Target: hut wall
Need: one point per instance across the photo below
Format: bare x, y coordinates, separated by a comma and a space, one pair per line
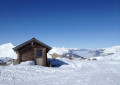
27, 56
27, 53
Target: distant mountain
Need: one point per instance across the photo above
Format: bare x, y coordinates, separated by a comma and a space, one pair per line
111, 53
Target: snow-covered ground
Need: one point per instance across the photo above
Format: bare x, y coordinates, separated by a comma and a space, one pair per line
104, 71
75, 72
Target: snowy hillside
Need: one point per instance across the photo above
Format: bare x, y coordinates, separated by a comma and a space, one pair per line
7, 51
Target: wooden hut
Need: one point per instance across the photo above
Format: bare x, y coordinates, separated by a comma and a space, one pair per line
32, 50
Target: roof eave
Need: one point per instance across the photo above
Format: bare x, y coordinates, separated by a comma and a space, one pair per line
21, 45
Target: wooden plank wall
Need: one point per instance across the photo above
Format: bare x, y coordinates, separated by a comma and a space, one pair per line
27, 53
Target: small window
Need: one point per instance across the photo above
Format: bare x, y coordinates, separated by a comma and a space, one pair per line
39, 53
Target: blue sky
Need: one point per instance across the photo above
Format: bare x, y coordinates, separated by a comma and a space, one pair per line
61, 23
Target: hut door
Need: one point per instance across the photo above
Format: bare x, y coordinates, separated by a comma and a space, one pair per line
39, 56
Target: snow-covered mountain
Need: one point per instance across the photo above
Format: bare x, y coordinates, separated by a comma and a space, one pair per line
111, 53
103, 53
7, 51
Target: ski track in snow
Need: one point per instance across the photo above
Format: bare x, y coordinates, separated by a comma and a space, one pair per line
75, 73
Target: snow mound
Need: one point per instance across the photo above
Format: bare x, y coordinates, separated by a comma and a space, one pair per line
27, 63
6, 50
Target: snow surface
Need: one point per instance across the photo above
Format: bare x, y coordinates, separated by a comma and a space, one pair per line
27, 63
74, 73
105, 71
6, 50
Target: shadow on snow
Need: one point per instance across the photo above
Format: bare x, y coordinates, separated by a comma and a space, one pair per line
56, 62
